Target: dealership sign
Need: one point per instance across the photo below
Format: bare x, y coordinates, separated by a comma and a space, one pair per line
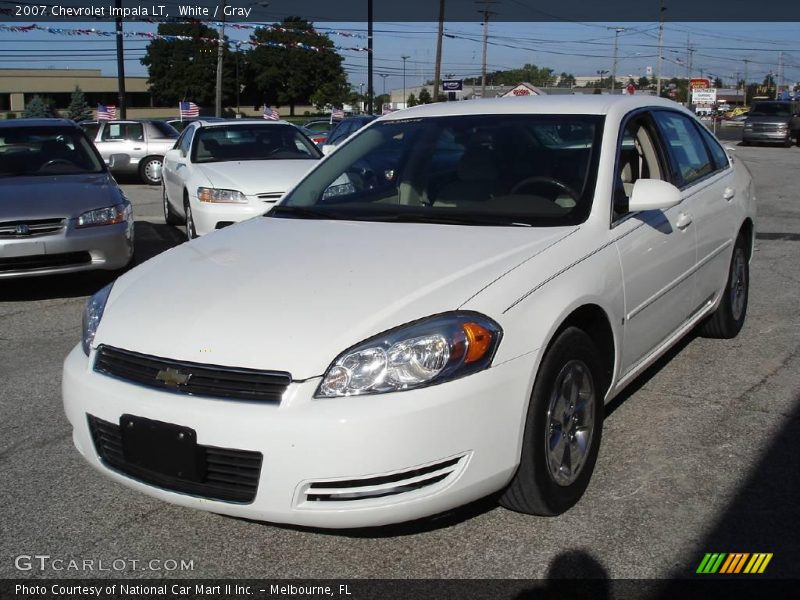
452, 85
522, 90
699, 84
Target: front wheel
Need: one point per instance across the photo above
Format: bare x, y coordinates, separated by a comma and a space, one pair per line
563, 429
150, 170
728, 319
191, 232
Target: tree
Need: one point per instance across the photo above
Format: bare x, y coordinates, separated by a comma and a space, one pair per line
281, 72
717, 82
412, 100
566, 80
425, 96
540, 76
78, 110
185, 69
37, 108
643, 83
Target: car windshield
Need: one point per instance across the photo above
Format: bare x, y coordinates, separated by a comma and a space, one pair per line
259, 141
771, 109
520, 170
46, 151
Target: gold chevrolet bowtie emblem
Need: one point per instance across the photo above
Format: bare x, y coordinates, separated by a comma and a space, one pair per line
173, 377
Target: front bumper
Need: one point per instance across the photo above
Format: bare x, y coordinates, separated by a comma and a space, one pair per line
776, 136
211, 216
340, 462
105, 247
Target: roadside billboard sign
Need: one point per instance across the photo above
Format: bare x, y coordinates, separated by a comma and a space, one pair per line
700, 83
704, 97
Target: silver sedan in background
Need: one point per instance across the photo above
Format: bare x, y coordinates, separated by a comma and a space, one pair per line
60, 209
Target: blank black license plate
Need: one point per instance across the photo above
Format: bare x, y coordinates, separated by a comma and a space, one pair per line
164, 448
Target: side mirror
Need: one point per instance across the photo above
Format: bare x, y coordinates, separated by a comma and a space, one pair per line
118, 161
653, 194
174, 154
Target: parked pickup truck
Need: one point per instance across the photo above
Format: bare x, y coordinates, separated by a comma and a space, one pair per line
145, 142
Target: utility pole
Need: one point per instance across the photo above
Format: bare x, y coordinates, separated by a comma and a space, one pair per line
123, 108
437, 73
745, 82
780, 72
370, 88
405, 57
617, 31
486, 12
220, 42
689, 56
660, 46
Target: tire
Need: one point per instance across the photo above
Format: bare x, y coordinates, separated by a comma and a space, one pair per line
150, 170
191, 232
170, 216
788, 142
727, 320
544, 484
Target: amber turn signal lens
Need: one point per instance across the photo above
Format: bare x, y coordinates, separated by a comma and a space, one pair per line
479, 340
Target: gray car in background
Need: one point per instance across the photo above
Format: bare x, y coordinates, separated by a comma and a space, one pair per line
774, 121
60, 209
144, 142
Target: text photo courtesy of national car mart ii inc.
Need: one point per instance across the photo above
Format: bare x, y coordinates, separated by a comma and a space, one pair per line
180, 590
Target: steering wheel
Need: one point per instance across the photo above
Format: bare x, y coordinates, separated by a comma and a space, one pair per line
538, 179
57, 161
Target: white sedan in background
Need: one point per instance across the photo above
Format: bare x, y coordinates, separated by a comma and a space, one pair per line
446, 324
223, 172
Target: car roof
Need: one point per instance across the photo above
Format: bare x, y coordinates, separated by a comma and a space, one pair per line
592, 104
14, 123
238, 122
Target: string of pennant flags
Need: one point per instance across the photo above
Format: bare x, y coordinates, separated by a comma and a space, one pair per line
158, 36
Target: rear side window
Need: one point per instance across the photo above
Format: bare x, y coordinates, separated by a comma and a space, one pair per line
123, 131
717, 152
685, 147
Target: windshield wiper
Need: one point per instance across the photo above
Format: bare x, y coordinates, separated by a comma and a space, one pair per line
302, 212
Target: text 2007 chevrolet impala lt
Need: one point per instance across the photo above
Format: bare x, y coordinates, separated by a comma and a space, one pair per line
436, 312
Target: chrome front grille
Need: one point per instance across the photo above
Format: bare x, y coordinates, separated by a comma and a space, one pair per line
195, 379
31, 228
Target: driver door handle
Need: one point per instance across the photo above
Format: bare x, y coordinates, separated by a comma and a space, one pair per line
684, 220
729, 193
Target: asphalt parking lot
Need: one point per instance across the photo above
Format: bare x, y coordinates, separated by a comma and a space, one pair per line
700, 455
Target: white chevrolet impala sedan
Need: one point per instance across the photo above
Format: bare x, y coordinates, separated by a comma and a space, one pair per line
438, 311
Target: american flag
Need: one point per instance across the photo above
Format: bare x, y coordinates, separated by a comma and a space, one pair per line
270, 113
188, 110
106, 112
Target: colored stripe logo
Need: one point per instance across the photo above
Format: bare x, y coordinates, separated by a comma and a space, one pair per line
734, 563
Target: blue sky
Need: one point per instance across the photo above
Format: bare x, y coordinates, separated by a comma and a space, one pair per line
578, 48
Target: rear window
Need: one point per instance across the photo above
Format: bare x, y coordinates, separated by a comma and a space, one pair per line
165, 130
771, 109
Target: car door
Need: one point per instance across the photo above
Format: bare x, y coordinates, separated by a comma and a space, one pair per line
657, 248
703, 174
122, 137
176, 165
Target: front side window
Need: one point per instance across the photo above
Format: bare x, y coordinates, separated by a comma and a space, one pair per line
637, 158
685, 146
257, 141
480, 169
46, 151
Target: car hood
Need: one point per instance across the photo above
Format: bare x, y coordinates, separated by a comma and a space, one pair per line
252, 177
55, 196
290, 294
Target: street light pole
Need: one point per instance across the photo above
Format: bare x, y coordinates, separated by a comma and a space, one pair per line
121, 100
405, 99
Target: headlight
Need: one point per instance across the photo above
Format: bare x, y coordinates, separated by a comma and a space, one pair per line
112, 215
92, 313
214, 195
783, 126
422, 353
